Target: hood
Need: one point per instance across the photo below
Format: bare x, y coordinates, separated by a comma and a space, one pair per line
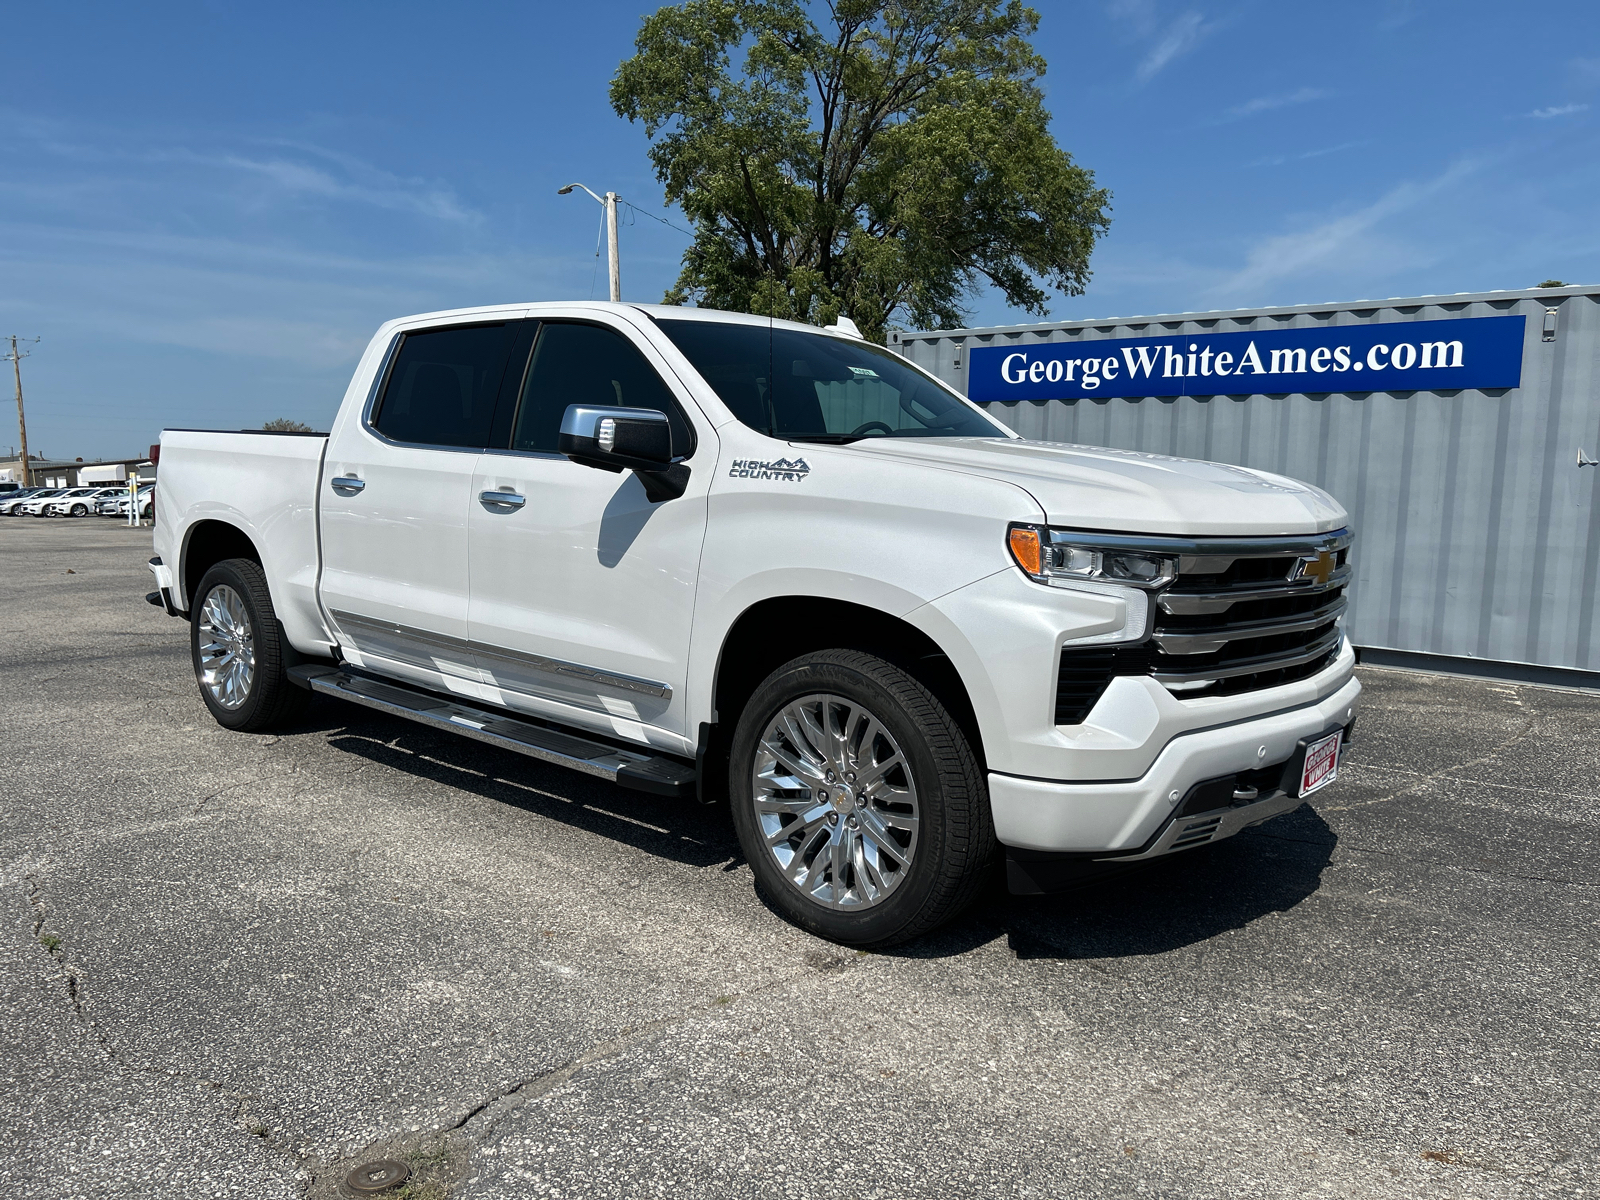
1127, 491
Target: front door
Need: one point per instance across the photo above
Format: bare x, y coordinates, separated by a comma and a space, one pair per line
395, 492
582, 590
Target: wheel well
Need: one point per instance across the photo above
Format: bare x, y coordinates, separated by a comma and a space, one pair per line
209, 543
770, 633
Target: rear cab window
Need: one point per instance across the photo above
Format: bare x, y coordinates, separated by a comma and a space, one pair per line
443, 385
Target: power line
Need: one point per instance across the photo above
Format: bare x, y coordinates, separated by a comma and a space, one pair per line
599, 233
653, 217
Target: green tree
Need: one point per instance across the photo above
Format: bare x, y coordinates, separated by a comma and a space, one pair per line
881, 167
286, 425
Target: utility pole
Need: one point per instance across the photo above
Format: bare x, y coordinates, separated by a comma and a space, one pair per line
611, 247
609, 203
16, 356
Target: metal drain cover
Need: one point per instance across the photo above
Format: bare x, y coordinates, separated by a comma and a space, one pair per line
377, 1176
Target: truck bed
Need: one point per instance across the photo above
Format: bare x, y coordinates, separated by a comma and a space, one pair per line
264, 483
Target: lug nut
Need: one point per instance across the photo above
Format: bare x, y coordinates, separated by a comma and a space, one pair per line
852, 822
831, 777
851, 777
833, 818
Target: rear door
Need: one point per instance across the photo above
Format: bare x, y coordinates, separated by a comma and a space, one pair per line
395, 494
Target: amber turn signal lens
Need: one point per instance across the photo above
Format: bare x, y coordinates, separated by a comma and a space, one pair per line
1025, 549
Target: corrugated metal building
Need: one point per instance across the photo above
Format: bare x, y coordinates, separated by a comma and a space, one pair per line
1476, 537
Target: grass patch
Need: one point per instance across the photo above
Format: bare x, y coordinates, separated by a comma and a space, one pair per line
50, 942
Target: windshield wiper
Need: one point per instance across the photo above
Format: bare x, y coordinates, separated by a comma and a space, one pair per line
830, 439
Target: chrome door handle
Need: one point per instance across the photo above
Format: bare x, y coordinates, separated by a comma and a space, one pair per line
494, 500
347, 485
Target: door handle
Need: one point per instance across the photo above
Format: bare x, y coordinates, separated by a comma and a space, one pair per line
347, 485
503, 499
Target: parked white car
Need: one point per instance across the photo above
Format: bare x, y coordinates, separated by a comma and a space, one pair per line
11, 503
116, 504
41, 506
701, 553
79, 502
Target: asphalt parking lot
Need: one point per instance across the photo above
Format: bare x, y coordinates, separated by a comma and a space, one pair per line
240, 965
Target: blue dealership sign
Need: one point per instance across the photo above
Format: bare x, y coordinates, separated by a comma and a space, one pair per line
1466, 352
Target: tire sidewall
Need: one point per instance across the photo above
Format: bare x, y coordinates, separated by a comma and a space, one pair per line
226, 573
882, 922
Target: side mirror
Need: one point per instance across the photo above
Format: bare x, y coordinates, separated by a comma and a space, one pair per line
625, 439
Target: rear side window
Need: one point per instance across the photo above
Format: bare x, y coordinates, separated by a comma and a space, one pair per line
589, 364
443, 385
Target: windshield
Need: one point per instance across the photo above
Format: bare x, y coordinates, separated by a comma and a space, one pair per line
812, 387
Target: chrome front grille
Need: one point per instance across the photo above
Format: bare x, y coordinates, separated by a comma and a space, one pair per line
1241, 615
1245, 615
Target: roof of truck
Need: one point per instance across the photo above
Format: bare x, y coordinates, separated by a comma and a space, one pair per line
663, 312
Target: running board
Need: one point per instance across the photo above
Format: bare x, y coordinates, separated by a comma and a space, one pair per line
631, 769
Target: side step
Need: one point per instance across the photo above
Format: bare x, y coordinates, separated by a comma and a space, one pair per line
631, 769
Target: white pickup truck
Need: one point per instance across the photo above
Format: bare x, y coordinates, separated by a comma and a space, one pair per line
715, 555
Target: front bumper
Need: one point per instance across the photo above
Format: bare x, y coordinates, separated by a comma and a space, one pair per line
1135, 818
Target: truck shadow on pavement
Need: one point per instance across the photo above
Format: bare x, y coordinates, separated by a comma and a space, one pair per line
1180, 901
680, 830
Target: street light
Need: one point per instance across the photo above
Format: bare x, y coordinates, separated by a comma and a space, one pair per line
609, 203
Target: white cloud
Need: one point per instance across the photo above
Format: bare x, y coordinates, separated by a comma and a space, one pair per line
382, 189
1349, 243
1565, 110
344, 178
1182, 36
1277, 160
1139, 14
1263, 104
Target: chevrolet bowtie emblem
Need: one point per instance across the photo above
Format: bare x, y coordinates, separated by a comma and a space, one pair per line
1319, 568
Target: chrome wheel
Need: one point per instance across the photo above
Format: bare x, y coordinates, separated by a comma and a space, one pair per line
227, 647
835, 802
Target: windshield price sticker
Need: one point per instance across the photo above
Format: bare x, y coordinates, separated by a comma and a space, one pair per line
1453, 354
1322, 764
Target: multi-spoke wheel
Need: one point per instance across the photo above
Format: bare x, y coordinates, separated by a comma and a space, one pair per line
858, 800
227, 654
238, 649
836, 802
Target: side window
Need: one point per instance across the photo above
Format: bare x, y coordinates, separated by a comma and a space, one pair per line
589, 364
443, 385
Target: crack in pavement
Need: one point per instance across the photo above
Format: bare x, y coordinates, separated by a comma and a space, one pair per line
34, 895
480, 1121
1528, 728
70, 973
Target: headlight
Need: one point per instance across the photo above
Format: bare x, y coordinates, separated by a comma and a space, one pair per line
1051, 556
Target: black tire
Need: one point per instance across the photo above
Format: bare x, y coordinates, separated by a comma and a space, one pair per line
270, 700
954, 843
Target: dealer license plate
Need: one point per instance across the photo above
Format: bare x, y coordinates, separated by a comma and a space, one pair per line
1322, 764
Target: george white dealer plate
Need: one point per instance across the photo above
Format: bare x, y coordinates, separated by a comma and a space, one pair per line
1322, 763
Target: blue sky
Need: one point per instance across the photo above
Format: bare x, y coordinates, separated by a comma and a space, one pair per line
206, 209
